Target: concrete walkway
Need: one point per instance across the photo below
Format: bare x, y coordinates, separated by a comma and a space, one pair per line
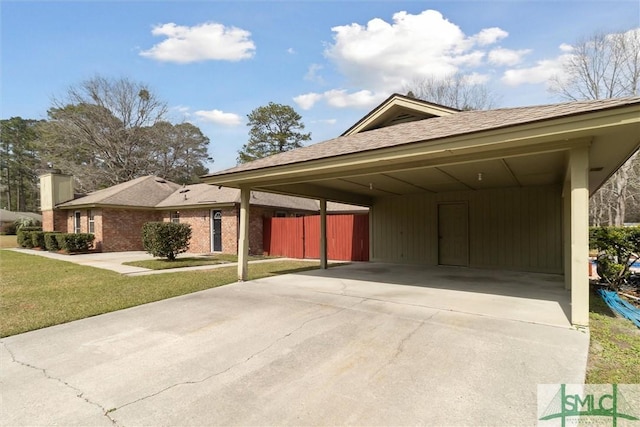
361, 344
114, 261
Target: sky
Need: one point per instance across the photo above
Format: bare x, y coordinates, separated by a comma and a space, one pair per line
213, 62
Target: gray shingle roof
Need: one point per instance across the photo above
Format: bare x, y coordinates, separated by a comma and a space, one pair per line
146, 191
465, 122
154, 192
10, 216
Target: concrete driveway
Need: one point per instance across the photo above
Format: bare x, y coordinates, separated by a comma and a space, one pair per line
364, 344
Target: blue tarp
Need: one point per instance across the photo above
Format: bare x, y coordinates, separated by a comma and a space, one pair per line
621, 306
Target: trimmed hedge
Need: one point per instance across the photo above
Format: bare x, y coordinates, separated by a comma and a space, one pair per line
24, 236
50, 241
37, 239
166, 239
72, 242
34, 237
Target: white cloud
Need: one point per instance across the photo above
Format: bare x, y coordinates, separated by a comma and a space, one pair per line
509, 57
361, 99
490, 36
307, 100
208, 41
340, 98
385, 56
291, 51
542, 71
219, 117
539, 73
312, 73
326, 121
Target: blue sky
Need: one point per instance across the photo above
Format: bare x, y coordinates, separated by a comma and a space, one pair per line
213, 62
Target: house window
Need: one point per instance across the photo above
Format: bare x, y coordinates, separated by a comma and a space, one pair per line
280, 214
175, 217
91, 224
77, 216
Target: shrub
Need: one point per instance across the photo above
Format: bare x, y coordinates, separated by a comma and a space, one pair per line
618, 248
50, 241
37, 239
24, 236
166, 239
74, 242
26, 221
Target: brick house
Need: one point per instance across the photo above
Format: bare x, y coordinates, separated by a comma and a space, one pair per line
115, 215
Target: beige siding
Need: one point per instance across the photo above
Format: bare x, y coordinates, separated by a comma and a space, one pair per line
514, 228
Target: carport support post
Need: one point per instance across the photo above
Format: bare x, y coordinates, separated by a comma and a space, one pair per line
579, 173
243, 235
323, 233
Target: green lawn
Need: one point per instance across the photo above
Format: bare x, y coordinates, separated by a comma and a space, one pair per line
614, 352
36, 292
162, 264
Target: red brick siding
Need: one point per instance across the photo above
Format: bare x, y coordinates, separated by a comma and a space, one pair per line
122, 229
230, 230
55, 220
200, 222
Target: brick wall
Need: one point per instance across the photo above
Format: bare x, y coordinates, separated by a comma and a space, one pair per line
200, 222
122, 229
230, 230
54, 220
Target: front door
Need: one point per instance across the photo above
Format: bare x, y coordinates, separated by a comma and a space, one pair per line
216, 231
453, 234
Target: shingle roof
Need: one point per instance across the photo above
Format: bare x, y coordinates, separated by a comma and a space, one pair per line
154, 192
146, 191
200, 194
10, 216
461, 123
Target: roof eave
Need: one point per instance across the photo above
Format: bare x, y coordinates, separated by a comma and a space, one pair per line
550, 129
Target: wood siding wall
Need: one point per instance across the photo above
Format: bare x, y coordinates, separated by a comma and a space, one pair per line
347, 237
514, 228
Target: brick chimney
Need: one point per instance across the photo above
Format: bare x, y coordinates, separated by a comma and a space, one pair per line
55, 188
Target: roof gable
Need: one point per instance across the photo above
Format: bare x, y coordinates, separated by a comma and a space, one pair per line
398, 109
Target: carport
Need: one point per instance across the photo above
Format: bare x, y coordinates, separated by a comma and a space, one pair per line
505, 189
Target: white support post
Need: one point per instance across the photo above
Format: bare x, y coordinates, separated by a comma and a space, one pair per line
579, 172
323, 233
243, 236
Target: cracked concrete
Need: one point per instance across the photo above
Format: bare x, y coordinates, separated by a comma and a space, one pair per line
344, 346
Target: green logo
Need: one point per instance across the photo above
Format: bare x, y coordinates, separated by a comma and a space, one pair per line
600, 401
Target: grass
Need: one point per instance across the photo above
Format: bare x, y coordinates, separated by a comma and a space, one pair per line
614, 351
36, 292
8, 242
162, 264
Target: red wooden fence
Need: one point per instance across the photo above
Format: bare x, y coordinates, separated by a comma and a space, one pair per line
347, 237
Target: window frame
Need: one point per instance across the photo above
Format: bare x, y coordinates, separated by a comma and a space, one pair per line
77, 222
91, 221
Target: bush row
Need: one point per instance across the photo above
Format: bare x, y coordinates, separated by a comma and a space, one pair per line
34, 237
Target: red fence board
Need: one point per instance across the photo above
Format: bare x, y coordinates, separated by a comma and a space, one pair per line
347, 237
